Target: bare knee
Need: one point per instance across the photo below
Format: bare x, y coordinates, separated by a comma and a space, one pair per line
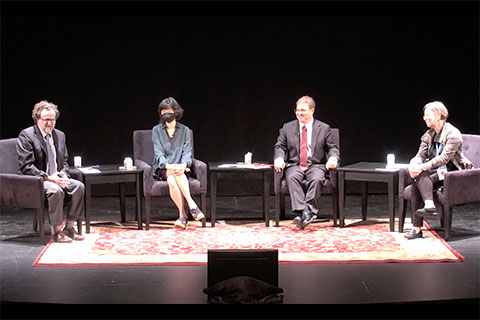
172, 182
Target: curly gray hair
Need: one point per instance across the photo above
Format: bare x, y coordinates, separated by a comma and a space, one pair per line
42, 105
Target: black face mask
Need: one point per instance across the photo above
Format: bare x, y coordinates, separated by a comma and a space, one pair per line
168, 117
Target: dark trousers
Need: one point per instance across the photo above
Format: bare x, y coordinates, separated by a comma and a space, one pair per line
422, 189
304, 187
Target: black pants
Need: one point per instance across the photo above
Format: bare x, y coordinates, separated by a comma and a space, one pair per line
422, 189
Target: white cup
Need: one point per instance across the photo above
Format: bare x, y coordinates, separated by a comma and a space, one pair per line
390, 159
77, 161
248, 158
128, 163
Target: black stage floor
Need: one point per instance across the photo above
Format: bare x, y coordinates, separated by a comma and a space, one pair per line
355, 290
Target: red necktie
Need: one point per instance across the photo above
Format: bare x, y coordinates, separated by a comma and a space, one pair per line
303, 149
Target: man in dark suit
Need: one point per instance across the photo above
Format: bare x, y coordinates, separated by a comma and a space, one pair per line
306, 150
42, 151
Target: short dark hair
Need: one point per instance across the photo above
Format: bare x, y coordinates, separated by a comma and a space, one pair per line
43, 105
171, 103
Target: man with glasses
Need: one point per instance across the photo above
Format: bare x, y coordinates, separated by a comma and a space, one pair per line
305, 149
42, 152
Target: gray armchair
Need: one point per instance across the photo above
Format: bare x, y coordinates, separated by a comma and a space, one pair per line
281, 189
22, 191
143, 158
459, 187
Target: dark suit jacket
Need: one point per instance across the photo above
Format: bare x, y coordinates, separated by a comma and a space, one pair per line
323, 146
32, 151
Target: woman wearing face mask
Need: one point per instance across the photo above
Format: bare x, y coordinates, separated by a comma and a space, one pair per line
173, 158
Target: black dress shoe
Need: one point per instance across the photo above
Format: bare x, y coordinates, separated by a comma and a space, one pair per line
74, 235
307, 218
298, 222
426, 212
413, 234
60, 237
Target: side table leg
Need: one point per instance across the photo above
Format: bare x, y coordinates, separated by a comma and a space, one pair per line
138, 199
203, 204
88, 198
391, 203
266, 198
123, 214
213, 198
364, 187
341, 200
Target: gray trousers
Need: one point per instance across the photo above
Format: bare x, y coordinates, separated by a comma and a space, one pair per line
58, 197
422, 189
312, 179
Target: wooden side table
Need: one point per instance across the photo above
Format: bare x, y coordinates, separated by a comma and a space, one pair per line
367, 172
110, 173
216, 170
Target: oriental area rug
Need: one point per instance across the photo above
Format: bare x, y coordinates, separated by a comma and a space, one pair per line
370, 241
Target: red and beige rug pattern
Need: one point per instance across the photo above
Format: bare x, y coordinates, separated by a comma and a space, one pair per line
360, 241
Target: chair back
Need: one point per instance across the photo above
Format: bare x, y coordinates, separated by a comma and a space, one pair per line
471, 148
143, 145
336, 136
8, 150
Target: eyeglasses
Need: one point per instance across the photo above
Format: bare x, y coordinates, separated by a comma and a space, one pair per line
300, 111
48, 120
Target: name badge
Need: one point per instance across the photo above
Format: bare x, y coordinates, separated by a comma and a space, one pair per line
441, 172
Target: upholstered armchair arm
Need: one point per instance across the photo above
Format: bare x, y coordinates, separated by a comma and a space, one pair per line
334, 179
404, 180
22, 191
147, 175
74, 173
199, 169
461, 186
277, 180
